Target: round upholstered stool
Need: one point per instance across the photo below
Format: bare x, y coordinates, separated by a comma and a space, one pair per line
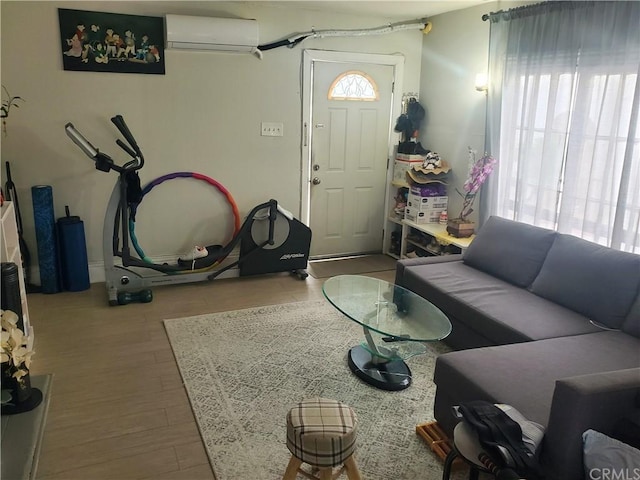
467, 447
322, 433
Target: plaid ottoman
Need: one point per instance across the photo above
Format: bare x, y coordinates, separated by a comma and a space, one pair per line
321, 432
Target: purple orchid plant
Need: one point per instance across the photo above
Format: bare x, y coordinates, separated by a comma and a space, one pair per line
478, 174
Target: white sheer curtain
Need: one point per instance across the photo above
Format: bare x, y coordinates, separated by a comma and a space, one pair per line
562, 119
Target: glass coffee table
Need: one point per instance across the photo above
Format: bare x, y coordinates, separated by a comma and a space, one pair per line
396, 324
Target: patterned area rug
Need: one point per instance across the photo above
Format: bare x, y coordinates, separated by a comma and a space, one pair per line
243, 370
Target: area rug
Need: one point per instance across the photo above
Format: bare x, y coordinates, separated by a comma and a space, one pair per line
351, 265
243, 370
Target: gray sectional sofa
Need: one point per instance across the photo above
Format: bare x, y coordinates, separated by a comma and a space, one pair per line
546, 322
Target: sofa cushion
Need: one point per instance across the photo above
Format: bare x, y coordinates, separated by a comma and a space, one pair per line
509, 250
599, 282
499, 311
524, 375
632, 324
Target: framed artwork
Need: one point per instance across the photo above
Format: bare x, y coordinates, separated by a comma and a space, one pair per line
111, 42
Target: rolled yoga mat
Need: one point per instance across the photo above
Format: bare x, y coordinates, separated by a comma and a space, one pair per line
45, 223
74, 266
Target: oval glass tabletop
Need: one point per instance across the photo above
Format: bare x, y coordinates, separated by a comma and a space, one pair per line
394, 312
396, 322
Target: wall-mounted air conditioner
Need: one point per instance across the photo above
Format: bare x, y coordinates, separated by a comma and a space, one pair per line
208, 33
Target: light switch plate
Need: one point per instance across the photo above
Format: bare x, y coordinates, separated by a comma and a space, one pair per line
272, 129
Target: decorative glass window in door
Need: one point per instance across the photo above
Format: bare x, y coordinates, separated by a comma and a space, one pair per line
354, 85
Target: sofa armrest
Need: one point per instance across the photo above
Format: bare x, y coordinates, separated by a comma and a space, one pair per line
409, 262
579, 403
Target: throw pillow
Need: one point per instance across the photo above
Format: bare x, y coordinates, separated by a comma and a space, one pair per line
511, 251
599, 282
605, 454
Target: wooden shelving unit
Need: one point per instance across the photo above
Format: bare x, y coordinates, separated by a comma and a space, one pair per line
10, 252
438, 234
393, 224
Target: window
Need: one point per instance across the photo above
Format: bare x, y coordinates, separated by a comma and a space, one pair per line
568, 134
353, 85
564, 119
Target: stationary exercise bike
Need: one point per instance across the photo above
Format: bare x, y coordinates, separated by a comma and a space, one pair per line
271, 240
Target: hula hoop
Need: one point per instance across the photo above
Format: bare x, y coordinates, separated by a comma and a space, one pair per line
198, 176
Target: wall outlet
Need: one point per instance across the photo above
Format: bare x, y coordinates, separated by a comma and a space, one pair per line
271, 129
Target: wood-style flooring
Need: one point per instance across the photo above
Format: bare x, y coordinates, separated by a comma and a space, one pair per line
118, 407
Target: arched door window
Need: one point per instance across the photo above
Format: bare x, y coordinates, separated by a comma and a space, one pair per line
353, 85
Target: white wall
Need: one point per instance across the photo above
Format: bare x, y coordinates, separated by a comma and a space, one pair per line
453, 53
204, 115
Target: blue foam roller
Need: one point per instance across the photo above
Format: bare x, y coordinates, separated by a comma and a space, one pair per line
74, 266
45, 223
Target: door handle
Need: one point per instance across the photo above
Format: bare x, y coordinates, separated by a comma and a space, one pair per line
316, 181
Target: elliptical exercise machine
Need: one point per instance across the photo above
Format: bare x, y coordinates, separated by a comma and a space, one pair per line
271, 239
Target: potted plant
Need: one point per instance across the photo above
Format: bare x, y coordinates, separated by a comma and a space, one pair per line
461, 226
6, 107
15, 354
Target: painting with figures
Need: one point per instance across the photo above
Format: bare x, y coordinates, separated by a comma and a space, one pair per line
111, 42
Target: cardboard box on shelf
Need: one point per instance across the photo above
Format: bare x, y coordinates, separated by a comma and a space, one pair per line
424, 204
429, 190
410, 157
401, 167
422, 216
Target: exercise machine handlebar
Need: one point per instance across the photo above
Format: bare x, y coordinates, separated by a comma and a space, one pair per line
119, 122
84, 144
103, 161
125, 147
138, 159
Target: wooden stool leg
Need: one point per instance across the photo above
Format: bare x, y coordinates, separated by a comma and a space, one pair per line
292, 468
326, 473
352, 469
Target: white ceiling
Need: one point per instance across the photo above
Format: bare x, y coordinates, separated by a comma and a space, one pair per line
392, 10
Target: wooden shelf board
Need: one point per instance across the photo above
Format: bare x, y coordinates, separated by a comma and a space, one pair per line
440, 233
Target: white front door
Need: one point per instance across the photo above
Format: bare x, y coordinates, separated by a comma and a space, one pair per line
349, 150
